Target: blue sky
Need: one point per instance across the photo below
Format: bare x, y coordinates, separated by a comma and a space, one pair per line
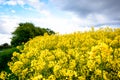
63, 16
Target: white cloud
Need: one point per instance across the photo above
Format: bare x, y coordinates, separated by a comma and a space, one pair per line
13, 11
13, 2
8, 24
45, 13
97, 18
2, 1
62, 24
21, 2
28, 8
5, 38
10, 2
37, 4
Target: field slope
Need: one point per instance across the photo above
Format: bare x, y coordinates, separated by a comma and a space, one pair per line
90, 55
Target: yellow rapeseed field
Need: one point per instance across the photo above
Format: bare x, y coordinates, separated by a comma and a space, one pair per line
90, 55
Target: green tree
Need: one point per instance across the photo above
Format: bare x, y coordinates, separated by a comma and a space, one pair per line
25, 31
4, 46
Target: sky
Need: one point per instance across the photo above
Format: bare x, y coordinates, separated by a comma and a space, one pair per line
63, 16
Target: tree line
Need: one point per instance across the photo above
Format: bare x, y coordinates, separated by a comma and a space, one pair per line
5, 45
25, 31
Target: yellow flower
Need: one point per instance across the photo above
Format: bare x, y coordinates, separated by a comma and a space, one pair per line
72, 64
81, 78
15, 54
3, 75
24, 72
51, 64
39, 77
119, 74
97, 72
51, 77
77, 55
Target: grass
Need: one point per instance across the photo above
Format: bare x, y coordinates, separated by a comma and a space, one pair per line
5, 57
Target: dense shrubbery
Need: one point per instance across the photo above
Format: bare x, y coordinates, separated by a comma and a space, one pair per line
4, 46
92, 55
5, 57
25, 31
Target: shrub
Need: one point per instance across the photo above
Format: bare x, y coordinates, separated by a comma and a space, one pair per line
5, 57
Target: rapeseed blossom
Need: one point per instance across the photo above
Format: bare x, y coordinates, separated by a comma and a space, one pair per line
90, 55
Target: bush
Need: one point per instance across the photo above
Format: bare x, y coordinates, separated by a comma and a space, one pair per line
25, 31
4, 46
5, 57
92, 55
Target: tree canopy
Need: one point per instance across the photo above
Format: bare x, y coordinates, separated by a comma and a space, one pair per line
25, 31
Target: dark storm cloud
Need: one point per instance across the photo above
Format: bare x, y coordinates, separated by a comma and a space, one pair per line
108, 8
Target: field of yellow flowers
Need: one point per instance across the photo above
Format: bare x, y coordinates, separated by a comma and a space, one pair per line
89, 55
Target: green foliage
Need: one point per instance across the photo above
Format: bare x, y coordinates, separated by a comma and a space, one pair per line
4, 46
25, 31
5, 57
